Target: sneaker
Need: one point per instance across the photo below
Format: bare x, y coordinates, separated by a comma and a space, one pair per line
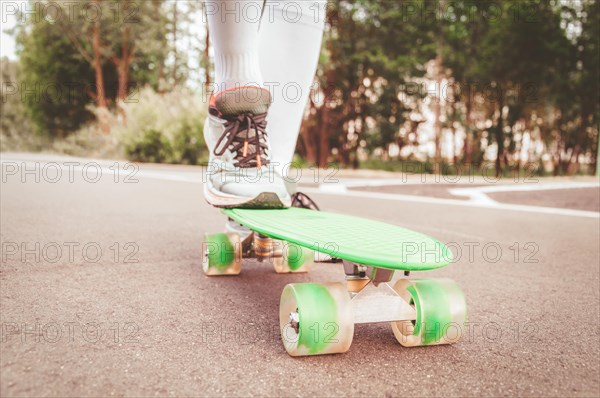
239, 172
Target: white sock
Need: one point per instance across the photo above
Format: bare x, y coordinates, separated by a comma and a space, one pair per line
290, 41
233, 26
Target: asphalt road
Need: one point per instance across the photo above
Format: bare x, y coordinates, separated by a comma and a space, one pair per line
102, 294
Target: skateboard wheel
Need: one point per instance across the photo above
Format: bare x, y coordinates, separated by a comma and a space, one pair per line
315, 319
222, 254
441, 312
294, 258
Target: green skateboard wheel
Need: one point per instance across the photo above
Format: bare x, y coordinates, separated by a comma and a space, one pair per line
315, 319
441, 312
294, 258
222, 254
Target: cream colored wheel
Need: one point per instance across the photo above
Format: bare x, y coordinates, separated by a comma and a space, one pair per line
222, 254
316, 319
293, 259
441, 312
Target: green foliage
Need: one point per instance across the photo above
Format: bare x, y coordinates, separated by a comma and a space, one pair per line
150, 146
588, 77
57, 59
164, 128
54, 80
370, 60
16, 130
506, 54
188, 143
154, 146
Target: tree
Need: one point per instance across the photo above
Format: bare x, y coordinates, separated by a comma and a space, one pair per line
103, 52
14, 123
518, 87
469, 24
368, 62
588, 66
56, 81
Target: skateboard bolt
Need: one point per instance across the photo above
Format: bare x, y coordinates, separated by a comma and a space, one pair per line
295, 321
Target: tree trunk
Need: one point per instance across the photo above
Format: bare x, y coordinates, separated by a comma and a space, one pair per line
596, 155
324, 137
207, 58
308, 142
468, 155
123, 65
454, 112
160, 61
454, 157
308, 133
573, 164
438, 114
439, 62
101, 102
595, 147
100, 93
559, 143
500, 137
556, 156
324, 128
175, 55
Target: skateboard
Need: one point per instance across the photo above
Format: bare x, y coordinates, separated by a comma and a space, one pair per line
319, 318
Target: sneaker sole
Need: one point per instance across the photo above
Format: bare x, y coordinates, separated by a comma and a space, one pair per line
265, 200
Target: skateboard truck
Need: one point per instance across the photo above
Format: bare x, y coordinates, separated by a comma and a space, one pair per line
356, 276
372, 304
373, 299
381, 303
319, 318
263, 247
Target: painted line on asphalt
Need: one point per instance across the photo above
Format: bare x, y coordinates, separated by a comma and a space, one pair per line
454, 202
479, 194
523, 188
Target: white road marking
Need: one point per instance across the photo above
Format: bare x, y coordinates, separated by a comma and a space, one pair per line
475, 196
527, 187
454, 202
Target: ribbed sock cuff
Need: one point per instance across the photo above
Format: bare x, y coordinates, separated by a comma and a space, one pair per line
237, 70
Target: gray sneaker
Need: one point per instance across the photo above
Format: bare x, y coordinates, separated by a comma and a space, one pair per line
239, 172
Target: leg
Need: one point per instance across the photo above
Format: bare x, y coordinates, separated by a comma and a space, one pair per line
239, 173
234, 28
289, 46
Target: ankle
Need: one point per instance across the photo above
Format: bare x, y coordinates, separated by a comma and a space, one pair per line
237, 70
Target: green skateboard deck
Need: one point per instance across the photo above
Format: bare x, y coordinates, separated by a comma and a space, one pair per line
355, 239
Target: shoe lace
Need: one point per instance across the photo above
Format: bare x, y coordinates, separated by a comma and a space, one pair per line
249, 151
302, 200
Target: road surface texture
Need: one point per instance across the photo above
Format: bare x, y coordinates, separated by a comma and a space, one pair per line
102, 292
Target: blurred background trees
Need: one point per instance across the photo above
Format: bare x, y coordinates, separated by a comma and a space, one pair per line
461, 83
